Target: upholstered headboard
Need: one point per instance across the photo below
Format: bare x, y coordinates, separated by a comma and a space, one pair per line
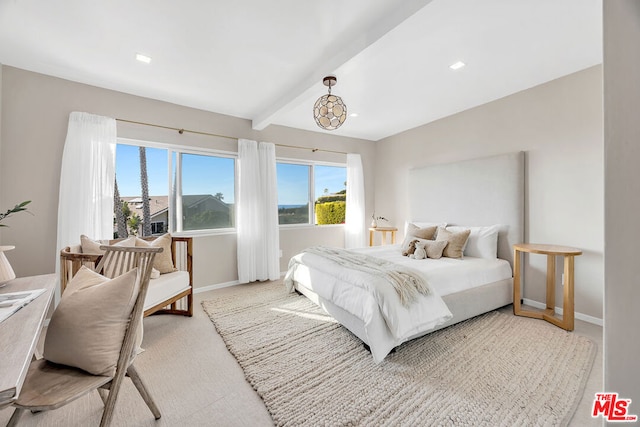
476, 192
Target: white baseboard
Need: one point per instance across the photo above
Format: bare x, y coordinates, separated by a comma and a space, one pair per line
222, 285
532, 303
212, 287
559, 311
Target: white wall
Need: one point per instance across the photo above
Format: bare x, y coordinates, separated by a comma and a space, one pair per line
622, 199
35, 113
559, 126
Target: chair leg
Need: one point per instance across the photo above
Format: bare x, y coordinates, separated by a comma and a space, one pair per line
110, 404
137, 381
103, 395
13, 421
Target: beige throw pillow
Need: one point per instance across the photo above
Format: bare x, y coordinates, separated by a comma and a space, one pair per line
112, 269
162, 262
434, 248
90, 246
414, 232
129, 242
427, 233
456, 242
88, 326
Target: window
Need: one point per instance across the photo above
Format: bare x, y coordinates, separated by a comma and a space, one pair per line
158, 228
331, 194
202, 188
293, 193
206, 196
299, 184
194, 189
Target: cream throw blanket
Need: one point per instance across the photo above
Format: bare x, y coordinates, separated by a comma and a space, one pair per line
406, 282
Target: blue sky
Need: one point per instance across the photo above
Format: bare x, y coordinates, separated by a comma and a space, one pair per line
211, 175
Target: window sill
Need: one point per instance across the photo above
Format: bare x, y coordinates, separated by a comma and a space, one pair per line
315, 226
204, 233
229, 231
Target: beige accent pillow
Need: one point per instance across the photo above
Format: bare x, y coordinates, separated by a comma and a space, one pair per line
88, 326
414, 232
434, 248
132, 242
90, 246
129, 242
162, 262
456, 242
111, 270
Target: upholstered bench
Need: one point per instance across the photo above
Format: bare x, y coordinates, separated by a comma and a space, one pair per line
170, 293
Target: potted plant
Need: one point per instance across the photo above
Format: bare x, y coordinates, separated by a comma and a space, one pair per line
6, 272
375, 219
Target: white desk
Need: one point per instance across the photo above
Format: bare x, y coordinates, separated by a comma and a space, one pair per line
19, 334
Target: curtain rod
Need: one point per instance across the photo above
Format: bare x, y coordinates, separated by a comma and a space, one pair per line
182, 131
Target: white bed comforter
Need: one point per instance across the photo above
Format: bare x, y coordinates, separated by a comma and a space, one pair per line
367, 296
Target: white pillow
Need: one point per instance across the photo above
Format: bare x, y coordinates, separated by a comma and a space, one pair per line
482, 242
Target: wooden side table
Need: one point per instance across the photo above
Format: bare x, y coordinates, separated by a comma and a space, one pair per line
551, 251
384, 231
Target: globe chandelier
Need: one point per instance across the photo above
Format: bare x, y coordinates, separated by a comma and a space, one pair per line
329, 111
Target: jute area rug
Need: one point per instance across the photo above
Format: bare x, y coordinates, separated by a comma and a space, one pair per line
493, 370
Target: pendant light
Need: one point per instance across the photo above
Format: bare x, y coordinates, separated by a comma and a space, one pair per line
329, 110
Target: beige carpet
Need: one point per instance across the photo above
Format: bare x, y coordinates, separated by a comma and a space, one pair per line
496, 369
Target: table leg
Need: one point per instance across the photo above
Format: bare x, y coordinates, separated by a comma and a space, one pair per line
567, 308
370, 237
551, 284
393, 237
516, 282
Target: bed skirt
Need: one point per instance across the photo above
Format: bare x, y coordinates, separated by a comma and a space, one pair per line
463, 305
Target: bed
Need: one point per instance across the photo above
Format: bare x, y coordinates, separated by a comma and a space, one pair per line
478, 194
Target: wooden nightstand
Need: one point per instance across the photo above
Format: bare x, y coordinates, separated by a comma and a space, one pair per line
551, 251
384, 231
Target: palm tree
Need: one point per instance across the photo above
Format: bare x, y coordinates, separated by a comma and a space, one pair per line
219, 196
144, 183
118, 206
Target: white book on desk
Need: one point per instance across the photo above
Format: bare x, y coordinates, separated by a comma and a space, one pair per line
13, 301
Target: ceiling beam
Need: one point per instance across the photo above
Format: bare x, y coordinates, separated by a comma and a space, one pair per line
334, 60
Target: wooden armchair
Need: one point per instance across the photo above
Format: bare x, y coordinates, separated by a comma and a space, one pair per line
162, 300
49, 385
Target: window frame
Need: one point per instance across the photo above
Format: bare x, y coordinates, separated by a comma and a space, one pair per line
183, 149
180, 149
311, 190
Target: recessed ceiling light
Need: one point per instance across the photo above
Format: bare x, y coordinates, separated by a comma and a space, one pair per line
353, 115
457, 65
143, 58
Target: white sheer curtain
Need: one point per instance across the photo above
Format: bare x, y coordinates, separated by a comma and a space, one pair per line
257, 212
355, 216
87, 176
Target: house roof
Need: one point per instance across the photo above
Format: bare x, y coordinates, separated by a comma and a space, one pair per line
157, 204
160, 204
